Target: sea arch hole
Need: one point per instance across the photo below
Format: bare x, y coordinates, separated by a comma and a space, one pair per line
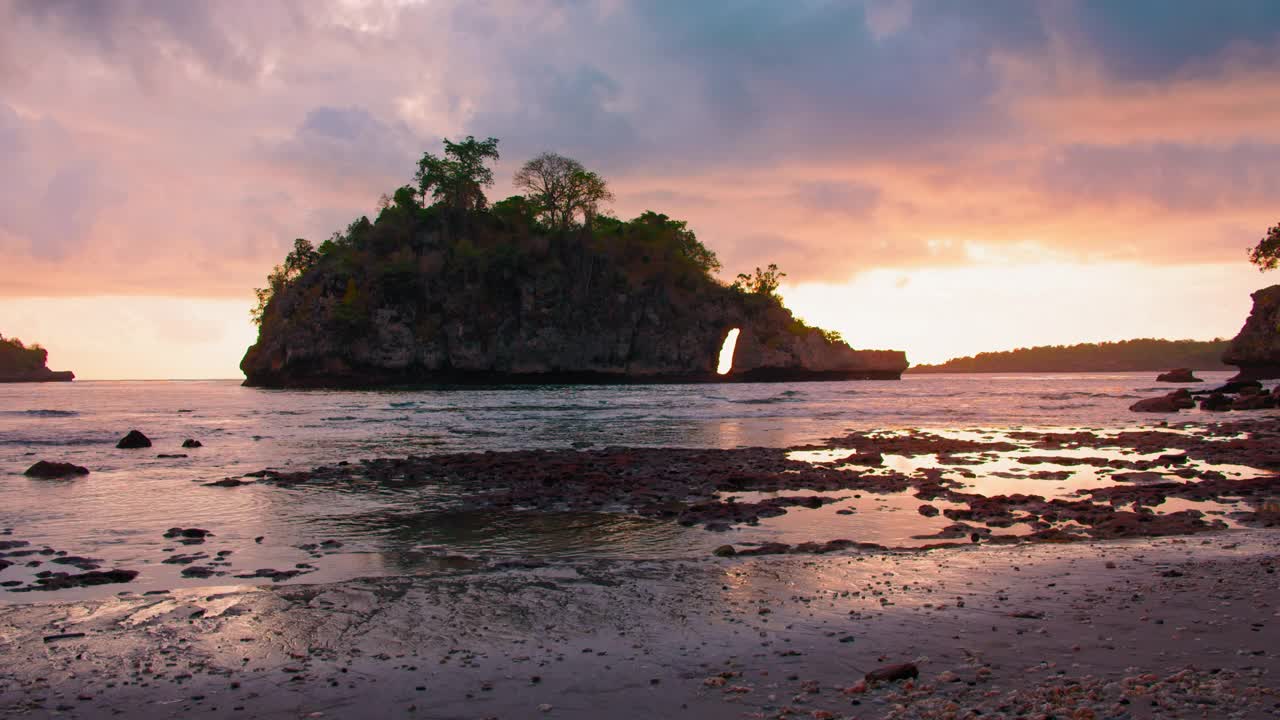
726, 352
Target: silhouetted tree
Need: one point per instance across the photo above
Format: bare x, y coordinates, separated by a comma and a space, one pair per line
561, 188
764, 282
458, 179
299, 260
1266, 254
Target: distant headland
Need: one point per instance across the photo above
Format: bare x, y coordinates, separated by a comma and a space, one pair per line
19, 363
544, 287
1144, 354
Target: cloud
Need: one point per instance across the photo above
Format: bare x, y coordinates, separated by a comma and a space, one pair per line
348, 146
1146, 40
48, 210
156, 147
151, 38
1177, 178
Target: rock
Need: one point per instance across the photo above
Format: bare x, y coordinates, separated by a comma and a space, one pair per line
1178, 375
133, 441
188, 536
80, 563
1173, 402
22, 364
227, 482
171, 456
928, 510
63, 581
1238, 386
601, 317
46, 469
724, 551
1253, 401
192, 443
893, 673
1216, 402
1256, 349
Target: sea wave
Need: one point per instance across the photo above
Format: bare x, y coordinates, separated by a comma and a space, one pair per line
41, 413
785, 397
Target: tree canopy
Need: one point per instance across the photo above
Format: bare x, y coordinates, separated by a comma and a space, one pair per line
561, 189
763, 282
458, 179
1266, 255
447, 200
298, 261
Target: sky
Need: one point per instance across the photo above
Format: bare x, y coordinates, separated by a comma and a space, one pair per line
939, 177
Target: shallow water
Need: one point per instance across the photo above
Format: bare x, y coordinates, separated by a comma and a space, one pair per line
120, 512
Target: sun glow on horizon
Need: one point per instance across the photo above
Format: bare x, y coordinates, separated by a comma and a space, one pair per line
936, 314
726, 352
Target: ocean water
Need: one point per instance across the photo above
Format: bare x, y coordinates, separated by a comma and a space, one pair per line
120, 511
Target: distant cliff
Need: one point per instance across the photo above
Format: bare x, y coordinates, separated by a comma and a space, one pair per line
428, 295
19, 363
1124, 356
1256, 350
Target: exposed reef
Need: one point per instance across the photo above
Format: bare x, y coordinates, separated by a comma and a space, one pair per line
1256, 349
19, 363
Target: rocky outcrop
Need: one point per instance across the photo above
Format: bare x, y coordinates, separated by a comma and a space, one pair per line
1179, 399
564, 310
19, 363
1256, 349
1178, 375
134, 440
48, 470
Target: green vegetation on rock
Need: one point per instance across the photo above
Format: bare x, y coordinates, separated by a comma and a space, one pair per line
17, 358
1266, 254
1125, 356
384, 259
443, 286
26, 363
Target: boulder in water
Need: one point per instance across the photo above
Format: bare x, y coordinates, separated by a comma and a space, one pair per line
1173, 402
1217, 402
47, 470
133, 441
1178, 375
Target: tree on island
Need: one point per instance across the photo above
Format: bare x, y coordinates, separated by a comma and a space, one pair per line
1266, 255
560, 188
16, 357
299, 260
764, 282
383, 256
458, 179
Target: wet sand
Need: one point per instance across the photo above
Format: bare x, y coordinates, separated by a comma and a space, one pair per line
1071, 573
1149, 628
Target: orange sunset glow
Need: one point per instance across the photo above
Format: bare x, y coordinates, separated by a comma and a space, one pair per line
939, 178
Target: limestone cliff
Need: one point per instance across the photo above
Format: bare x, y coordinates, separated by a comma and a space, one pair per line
488, 301
1256, 349
19, 363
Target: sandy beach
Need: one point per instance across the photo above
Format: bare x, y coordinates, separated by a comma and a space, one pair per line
1161, 628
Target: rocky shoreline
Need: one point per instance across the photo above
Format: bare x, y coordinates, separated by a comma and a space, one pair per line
1135, 581
43, 376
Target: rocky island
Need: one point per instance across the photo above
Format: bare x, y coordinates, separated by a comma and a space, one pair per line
19, 363
537, 288
1256, 349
